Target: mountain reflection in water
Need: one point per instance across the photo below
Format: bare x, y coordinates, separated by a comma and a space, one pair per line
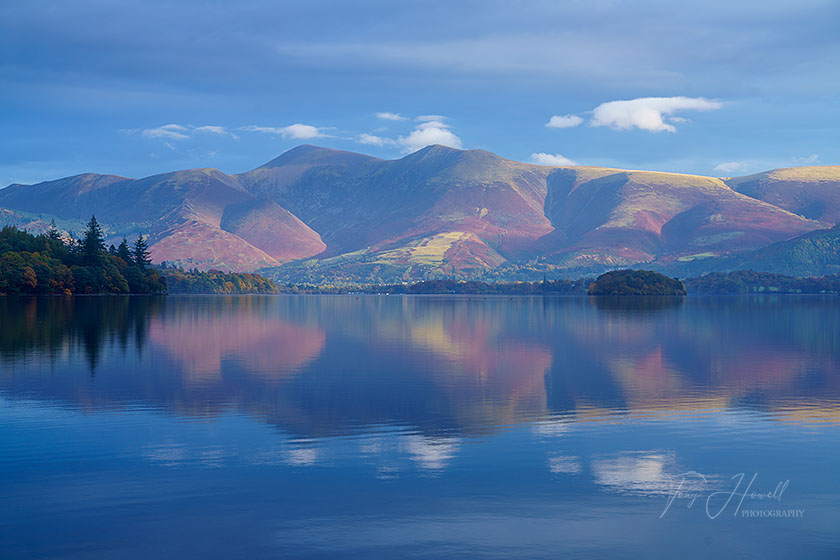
324, 365
424, 427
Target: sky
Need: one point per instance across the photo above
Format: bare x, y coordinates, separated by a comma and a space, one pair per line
136, 88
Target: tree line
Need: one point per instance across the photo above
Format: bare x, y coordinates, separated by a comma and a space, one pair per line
180, 281
750, 282
52, 263
56, 263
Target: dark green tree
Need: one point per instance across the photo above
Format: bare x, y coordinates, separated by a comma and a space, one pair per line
124, 252
141, 252
52, 232
93, 242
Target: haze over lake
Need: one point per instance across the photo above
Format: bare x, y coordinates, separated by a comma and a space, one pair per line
423, 427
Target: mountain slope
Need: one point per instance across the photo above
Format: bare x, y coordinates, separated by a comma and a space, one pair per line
614, 217
438, 212
267, 225
812, 192
816, 253
59, 197
182, 212
356, 202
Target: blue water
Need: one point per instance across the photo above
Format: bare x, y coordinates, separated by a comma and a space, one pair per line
419, 427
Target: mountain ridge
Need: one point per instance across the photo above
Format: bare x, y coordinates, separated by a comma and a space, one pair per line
437, 211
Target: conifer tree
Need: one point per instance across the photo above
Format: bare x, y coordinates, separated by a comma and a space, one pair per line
141, 252
52, 232
93, 242
124, 252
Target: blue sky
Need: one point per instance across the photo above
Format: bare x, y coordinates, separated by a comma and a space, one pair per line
137, 88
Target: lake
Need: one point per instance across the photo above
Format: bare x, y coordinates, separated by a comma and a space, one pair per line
419, 427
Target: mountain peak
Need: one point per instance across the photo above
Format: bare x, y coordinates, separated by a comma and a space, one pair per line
438, 148
316, 155
440, 157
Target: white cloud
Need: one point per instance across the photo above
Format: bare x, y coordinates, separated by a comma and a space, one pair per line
813, 158
293, 131
170, 131
566, 121
179, 132
428, 133
300, 131
729, 167
551, 159
265, 129
220, 130
648, 113
385, 115
427, 118
373, 140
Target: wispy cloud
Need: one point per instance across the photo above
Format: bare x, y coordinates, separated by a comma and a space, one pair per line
565, 121
654, 114
543, 158
813, 158
428, 118
385, 115
179, 132
729, 167
220, 130
747, 166
427, 133
373, 140
293, 131
169, 131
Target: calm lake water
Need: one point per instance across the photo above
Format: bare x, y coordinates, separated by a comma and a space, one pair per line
419, 427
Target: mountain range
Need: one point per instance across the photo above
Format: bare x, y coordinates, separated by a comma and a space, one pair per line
316, 214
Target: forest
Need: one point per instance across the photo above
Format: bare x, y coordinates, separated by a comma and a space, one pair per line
180, 281
56, 263
60, 263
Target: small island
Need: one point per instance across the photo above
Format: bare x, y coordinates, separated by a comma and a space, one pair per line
636, 283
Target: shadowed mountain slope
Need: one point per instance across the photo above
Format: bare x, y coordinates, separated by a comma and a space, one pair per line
816, 253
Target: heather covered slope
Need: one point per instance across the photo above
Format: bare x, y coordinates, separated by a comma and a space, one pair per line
182, 212
443, 211
361, 203
614, 217
316, 214
812, 192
